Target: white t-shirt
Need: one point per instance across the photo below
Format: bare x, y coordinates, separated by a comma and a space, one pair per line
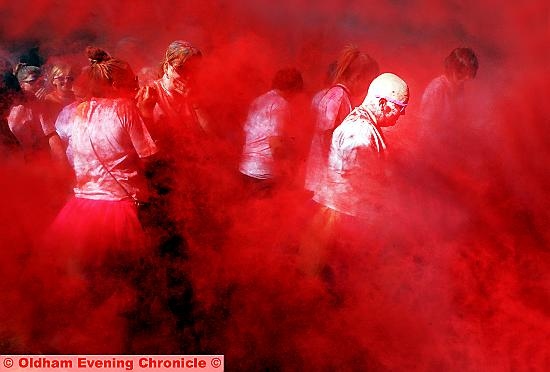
441, 100
119, 138
316, 100
354, 162
331, 110
266, 118
64, 126
29, 126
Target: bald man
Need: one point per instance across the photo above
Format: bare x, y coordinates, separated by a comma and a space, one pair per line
357, 146
348, 193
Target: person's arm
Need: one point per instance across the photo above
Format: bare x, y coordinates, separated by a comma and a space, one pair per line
335, 107
57, 148
138, 132
201, 117
146, 99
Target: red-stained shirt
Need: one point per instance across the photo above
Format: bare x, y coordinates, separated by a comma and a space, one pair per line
266, 118
30, 126
115, 130
331, 110
354, 166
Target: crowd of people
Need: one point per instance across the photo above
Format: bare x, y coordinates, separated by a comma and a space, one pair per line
137, 153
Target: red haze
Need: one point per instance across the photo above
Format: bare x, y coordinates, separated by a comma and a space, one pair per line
456, 274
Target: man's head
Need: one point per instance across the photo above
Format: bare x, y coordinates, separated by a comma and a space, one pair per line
387, 98
288, 81
461, 65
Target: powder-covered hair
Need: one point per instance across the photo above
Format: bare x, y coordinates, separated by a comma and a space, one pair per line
179, 52
105, 72
353, 62
288, 79
56, 66
462, 62
23, 72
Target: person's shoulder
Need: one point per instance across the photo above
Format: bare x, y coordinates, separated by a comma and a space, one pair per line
274, 96
120, 101
348, 128
17, 112
262, 98
17, 109
335, 92
71, 107
435, 90
68, 112
317, 97
359, 128
273, 100
438, 83
121, 104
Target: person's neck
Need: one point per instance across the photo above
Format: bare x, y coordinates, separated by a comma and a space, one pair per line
369, 111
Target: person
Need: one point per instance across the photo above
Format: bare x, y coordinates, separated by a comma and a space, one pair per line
179, 128
96, 240
348, 196
170, 102
265, 146
316, 100
181, 176
60, 75
448, 112
357, 144
25, 119
353, 73
55, 95
442, 100
9, 93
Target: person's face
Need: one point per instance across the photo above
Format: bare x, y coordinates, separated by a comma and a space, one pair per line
183, 76
391, 110
63, 83
173, 78
31, 84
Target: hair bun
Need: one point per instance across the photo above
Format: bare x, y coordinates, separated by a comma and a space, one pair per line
96, 55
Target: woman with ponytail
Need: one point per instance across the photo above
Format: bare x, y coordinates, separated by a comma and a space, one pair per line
352, 75
96, 240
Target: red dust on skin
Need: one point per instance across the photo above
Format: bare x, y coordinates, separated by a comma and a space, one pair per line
455, 276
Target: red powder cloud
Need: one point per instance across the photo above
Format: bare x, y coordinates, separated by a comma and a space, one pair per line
455, 274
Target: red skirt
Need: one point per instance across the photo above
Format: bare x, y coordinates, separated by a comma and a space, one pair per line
94, 232
87, 266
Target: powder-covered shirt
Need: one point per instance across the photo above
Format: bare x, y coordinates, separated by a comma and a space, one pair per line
64, 126
28, 124
330, 111
316, 100
107, 139
441, 101
266, 118
354, 163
